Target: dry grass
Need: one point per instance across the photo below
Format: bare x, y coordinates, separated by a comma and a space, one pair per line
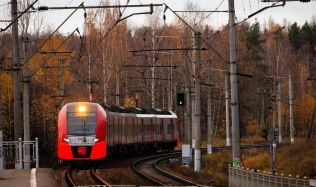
216, 167
298, 159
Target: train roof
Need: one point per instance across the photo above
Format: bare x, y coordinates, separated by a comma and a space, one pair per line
135, 110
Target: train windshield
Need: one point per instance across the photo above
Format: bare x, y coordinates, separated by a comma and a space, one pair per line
81, 124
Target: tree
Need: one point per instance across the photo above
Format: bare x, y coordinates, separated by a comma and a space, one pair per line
254, 42
295, 37
308, 36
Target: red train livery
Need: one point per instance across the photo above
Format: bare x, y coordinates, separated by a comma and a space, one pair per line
89, 131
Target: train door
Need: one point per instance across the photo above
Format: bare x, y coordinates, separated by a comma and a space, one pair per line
152, 129
117, 130
158, 129
109, 131
123, 129
120, 132
139, 129
129, 129
134, 138
167, 128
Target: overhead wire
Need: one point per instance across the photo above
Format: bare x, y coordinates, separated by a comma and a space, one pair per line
1, 5
51, 54
69, 3
210, 13
243, 6
245, 19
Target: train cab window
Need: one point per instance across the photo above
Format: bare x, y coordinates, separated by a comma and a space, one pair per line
81, 124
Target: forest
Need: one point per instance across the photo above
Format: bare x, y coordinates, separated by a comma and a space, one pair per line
100, 61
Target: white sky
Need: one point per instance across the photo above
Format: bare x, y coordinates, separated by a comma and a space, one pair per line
293, 12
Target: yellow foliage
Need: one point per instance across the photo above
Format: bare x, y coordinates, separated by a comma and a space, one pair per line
302, 111
259, 161
275, 28
129, 102
6, 87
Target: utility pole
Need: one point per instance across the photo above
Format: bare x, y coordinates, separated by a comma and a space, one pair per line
227, 109
1, 137
274, 110
89, 77
16, 79
153, 78
186, 147
62, 82
103, 76
197, 148
117, 82
169, 85
279, 112
209, 108
26, 105
291, 109
262, 111
234, 86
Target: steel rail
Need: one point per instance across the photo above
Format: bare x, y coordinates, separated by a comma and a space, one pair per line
68, 175
140, 174
170, 175
97, 178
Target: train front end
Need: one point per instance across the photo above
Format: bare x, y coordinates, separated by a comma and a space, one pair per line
81, 132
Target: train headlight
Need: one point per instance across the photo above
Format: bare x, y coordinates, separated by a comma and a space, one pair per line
96, 140
82, 109
66, 140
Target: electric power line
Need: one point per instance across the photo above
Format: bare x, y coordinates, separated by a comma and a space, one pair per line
210, 13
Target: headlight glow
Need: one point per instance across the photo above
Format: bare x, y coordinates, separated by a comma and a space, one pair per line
82, 109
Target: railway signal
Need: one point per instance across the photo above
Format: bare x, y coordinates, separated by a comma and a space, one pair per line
180, 99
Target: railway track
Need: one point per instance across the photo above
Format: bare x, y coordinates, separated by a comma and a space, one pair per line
83, 177
148, 169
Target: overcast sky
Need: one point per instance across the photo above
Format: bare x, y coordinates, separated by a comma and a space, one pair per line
292, 11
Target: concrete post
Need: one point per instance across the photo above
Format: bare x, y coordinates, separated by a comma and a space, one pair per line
197, 148
117, 82
104, 79
89, 77
209, 108
234, 86
273, 118
37, 152
26, 106
153, 79
20, 154
291, 109
16, 78
1, 152
62, 83
227, 109
279, 112
186, 147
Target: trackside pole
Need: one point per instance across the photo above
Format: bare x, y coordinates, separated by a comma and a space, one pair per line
186, 147
291, 109
36, 152
279, 112
234, 86
209, 109
20, 154
1, 153
197, 148
227, 109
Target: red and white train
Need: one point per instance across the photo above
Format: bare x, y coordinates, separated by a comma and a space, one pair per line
89, 131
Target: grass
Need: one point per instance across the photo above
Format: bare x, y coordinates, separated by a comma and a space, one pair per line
298, 159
